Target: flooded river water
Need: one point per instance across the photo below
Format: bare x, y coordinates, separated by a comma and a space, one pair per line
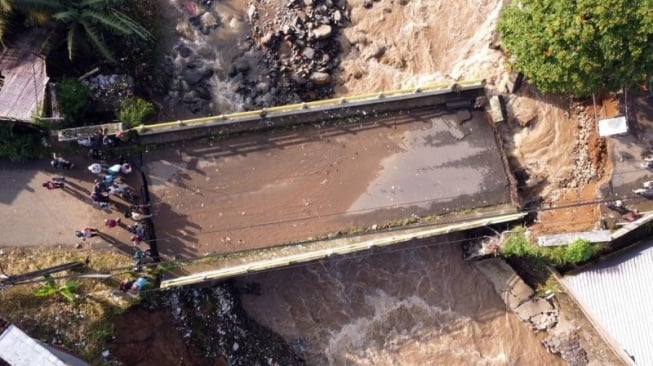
412, 304
417, 303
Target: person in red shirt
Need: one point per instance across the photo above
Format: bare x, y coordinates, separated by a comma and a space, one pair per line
110, 223
52, 185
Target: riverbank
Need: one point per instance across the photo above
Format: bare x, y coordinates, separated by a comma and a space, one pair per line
547, 309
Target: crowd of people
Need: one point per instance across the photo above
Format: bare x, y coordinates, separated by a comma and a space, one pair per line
110, 183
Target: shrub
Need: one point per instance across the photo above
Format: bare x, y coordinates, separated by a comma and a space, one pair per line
19, 146
516, 245
134, 110
74, 99
580, 251
50, 288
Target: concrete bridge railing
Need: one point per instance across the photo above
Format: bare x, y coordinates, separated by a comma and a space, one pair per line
457, 95
242, 263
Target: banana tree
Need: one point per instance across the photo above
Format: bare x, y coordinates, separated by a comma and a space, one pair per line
86, 22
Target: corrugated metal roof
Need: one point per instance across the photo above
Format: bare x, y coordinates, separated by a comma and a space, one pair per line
18, 349
24, 77
618, 295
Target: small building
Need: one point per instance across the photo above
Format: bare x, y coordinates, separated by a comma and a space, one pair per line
23, 77
19, 349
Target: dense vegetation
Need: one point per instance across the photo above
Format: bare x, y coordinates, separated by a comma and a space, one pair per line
577, 252
19, 145
86, 34
74, 98
86, 22
580, 46
133, 111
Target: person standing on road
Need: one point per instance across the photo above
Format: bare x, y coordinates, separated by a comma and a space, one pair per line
136, 229
52, 185
95, 168
86, 233
117, 188
58, 162
115, 169
111, 223
137, 216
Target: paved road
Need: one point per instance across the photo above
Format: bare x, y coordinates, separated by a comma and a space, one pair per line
34, 216
275, 187
627, 152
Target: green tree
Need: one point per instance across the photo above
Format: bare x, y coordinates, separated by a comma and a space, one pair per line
134, 110
74, 98
85, 20
579, 46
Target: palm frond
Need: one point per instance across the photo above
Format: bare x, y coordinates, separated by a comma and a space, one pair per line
70, 40
36, 4
5, 13
94, 37
5, 8
2, 32
107, 21
67, 16
140, 31
100, 4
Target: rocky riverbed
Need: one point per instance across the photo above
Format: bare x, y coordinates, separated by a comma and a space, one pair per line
278, 54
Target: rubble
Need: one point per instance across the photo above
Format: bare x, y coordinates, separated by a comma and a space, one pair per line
294, 51
587, 168
108, 91
238, 339
568, 346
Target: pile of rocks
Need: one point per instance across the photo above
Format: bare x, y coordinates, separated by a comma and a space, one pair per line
587, 167
300, 42
290, 55
537, 312
568, 346
211, 320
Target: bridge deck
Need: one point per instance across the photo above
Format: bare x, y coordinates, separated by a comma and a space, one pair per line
252, 192
241, 263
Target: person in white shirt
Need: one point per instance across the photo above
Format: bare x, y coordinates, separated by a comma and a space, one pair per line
118, 188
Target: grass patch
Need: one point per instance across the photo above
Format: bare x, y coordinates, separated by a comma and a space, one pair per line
577, 252
81, 321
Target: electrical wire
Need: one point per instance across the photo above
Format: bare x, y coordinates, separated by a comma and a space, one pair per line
542, 207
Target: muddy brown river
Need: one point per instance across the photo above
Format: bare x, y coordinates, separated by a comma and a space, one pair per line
413, 304
417, 303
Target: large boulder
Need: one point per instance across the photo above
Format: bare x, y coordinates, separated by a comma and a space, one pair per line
320, 78
322, 31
